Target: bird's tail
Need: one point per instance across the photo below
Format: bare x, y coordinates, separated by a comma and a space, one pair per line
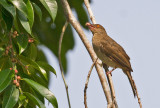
134, 88
133, 85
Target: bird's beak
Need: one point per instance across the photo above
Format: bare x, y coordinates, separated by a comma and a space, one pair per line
90, 26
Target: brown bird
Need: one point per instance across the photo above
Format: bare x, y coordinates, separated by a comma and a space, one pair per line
110, 52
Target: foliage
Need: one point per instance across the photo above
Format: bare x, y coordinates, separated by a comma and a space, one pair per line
24, 71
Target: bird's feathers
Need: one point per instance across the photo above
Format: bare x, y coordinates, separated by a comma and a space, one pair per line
134, 88
115, 52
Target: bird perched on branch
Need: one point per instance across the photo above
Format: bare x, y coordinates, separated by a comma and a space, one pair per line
110, 52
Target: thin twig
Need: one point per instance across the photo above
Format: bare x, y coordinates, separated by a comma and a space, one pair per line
109, 77
86, 2
10, 42
60, 64
86, 84
12, 52
114, 102
13, 57
70, 17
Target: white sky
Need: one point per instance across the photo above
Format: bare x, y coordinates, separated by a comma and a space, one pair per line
136, 26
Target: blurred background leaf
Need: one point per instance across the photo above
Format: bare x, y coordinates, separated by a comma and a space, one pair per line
49, 32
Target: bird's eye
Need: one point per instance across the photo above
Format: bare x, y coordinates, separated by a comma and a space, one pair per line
98, 26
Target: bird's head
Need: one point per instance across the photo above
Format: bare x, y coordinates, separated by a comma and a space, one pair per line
95, 28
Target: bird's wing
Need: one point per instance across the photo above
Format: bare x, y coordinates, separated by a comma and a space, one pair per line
116, 53
120, 48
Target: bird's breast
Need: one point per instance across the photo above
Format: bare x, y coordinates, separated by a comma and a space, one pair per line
108, 61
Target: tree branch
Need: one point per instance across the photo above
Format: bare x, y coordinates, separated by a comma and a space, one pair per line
86, 2
77, 27
109, 77
59, 58
86, 84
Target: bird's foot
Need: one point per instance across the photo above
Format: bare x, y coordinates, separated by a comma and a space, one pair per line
110, 72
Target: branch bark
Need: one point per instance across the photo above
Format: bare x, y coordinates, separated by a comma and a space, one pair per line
72, 20
59, 58
109, 77
86, 84
86, 2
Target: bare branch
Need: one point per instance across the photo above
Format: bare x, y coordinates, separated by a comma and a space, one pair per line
59, 58
114, 102
90, 11
109, 77
86, 84
77, 27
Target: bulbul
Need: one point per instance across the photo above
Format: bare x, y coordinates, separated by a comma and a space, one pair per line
110, 52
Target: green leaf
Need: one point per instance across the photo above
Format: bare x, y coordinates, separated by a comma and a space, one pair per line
51, 7
21, 100
22, 97
43, 91
1, 51
32, 51
22, 41
46, 66
4, 42
9, 7
21, 6
4, 75
81, 11
28, 61
10, 97
40, 80
35, 100
8, 18
6, 81
30, 13
32, 63
3, 62
16, 24
7, 64
37, 11
24, 21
